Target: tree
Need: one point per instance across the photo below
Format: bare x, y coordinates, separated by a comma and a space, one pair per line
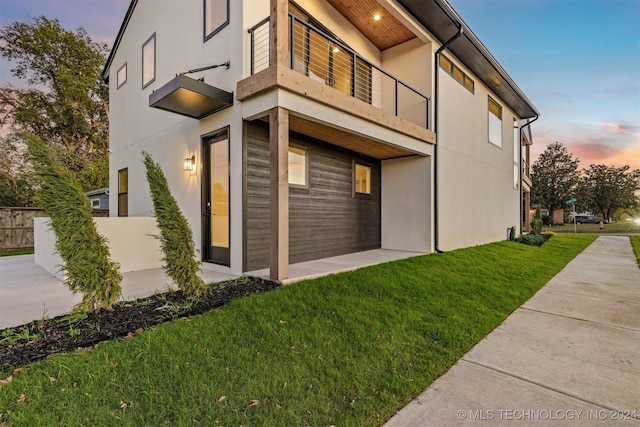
605, 189
87, 266
554, 178
176, 236
66, 102
16, 182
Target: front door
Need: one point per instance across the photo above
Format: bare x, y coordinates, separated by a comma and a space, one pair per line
216, 219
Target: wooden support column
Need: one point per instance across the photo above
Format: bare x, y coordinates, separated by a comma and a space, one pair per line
527, 212
279, 33
279, 192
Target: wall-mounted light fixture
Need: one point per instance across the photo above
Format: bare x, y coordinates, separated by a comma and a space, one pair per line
190, 163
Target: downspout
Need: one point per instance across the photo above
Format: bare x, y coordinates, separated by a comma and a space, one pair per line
435, 125
520, 162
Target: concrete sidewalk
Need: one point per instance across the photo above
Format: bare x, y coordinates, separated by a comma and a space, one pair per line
569, 356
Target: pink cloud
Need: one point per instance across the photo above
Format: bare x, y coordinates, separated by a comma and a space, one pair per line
620, 127
609, 143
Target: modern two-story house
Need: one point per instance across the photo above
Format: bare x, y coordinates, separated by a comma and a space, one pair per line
293, 131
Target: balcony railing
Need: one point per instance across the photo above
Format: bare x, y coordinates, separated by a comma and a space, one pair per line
326, 60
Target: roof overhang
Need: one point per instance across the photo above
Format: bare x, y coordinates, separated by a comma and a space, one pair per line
439, 18
189, 97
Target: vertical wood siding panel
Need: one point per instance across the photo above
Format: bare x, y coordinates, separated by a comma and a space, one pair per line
324, 220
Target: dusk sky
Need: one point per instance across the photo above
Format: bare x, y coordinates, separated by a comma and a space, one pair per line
578, 61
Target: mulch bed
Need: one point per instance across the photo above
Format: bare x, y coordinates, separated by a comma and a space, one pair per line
36, 340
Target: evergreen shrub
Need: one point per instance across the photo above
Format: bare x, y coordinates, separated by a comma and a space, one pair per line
176, 237
87, 266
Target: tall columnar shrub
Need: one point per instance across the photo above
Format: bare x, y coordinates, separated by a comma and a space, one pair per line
176, 237
536, 224
87, 266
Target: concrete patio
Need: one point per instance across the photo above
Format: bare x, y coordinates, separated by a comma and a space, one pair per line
28, 292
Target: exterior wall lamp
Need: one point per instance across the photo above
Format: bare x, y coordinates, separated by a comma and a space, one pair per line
190, 164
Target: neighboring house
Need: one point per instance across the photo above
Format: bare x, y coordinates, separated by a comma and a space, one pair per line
298, 131
99, 198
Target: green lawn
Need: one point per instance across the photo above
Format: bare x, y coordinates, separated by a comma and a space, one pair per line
614, 227
635, 243
344, 350
17, 252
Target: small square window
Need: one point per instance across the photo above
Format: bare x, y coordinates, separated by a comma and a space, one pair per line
362, 179
445, 64
298, 166
469, 84
458, 75
95, 203
149, 61
122, 75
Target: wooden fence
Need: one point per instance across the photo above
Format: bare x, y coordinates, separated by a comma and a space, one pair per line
16, 226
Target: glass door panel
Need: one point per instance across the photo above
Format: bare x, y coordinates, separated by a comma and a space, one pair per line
216, 200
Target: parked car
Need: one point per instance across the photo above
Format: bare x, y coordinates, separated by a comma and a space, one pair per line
588, 219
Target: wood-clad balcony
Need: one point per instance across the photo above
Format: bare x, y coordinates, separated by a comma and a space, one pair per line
290, 54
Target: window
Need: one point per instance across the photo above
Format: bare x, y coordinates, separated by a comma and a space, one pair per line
149, 61
298, 166
362, 179
216, 180
123, 192
95, 203
495, 123
516, 140
516, 154
455, 72
216, 17
122, 75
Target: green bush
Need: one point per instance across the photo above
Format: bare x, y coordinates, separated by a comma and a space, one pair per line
536, 226
533, 239
87, 266
176, 237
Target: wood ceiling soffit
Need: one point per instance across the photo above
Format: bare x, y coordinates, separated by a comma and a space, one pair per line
344, 139
384, 33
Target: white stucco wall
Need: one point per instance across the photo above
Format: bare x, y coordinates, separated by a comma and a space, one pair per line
407, 204
411, 63
169, 137
477, 198
130, 240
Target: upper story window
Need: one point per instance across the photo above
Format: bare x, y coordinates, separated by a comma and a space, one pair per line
516, 140
149, 61
516, 154
122, 75
495, 123
216, 17
298, 161
455, 72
